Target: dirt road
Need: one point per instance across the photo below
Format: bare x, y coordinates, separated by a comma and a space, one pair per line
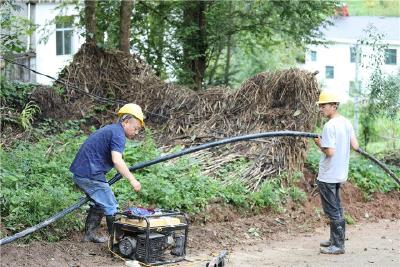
290, 238
368, 244
371, 244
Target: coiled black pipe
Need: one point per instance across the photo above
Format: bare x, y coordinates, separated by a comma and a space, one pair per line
141, 165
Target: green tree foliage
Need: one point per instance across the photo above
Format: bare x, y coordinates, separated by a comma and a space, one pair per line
153, 34
15, 106
13, 28
373, 7
381, 97
195, 42
190, 37
107, 18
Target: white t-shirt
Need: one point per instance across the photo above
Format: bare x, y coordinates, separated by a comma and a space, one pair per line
336, 134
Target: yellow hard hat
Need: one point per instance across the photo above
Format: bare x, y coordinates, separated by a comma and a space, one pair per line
134, 110
328, 97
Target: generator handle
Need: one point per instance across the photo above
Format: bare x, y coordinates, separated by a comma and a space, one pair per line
169, 213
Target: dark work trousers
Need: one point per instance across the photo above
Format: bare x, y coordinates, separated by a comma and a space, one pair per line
330, 199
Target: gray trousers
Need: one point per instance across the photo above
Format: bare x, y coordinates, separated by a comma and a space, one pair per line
330, 199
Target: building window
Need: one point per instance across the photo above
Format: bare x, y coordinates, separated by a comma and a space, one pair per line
353, 54
64, 33
329, 72
313, 55
390, 56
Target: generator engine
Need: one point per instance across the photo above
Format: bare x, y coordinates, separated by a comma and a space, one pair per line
155, 239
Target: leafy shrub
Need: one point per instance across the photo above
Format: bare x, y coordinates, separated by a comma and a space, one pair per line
178, 184
270, 195
36, 182
236, 194
16, 108
296, 194
362, 172
370, 178
28, 114
15, 94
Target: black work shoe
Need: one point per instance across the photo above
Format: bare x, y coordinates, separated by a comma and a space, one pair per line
325, 243
332, 250
95, 239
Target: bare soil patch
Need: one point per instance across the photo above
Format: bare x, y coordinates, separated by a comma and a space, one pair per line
266, 239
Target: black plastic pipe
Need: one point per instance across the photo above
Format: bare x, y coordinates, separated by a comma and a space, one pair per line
214, 144
380, 164
141, 165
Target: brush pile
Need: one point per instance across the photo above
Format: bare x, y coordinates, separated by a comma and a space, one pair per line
276, 101
283, 100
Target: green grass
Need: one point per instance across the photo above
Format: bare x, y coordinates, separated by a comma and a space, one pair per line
389, 8
36, 183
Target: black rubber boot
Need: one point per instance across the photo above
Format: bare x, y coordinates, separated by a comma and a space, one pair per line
92, 224
338, 234
110, 222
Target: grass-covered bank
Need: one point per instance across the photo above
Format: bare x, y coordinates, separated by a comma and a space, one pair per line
36, 183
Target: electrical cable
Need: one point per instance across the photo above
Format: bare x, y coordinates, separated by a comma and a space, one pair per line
68, 84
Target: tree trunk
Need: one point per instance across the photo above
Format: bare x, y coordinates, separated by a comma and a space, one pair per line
228, 50
125, 25
215, 66
157, 32
195, 45
228, 60
90, 21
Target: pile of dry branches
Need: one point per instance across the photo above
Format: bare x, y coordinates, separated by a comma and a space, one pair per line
281, 100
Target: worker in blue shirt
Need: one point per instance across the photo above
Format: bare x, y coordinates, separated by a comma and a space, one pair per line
102, 151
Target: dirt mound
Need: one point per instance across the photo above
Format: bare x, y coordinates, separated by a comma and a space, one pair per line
281, 100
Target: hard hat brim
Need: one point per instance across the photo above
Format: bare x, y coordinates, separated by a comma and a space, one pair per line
141, 121
326, 102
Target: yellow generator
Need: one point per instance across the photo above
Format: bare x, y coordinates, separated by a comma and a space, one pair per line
156, 238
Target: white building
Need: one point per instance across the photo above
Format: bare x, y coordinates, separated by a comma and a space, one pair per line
335, 60
55, 40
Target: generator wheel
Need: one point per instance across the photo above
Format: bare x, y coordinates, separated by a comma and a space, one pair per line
127, 247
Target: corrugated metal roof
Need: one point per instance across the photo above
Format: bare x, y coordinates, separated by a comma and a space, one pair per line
352, 27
